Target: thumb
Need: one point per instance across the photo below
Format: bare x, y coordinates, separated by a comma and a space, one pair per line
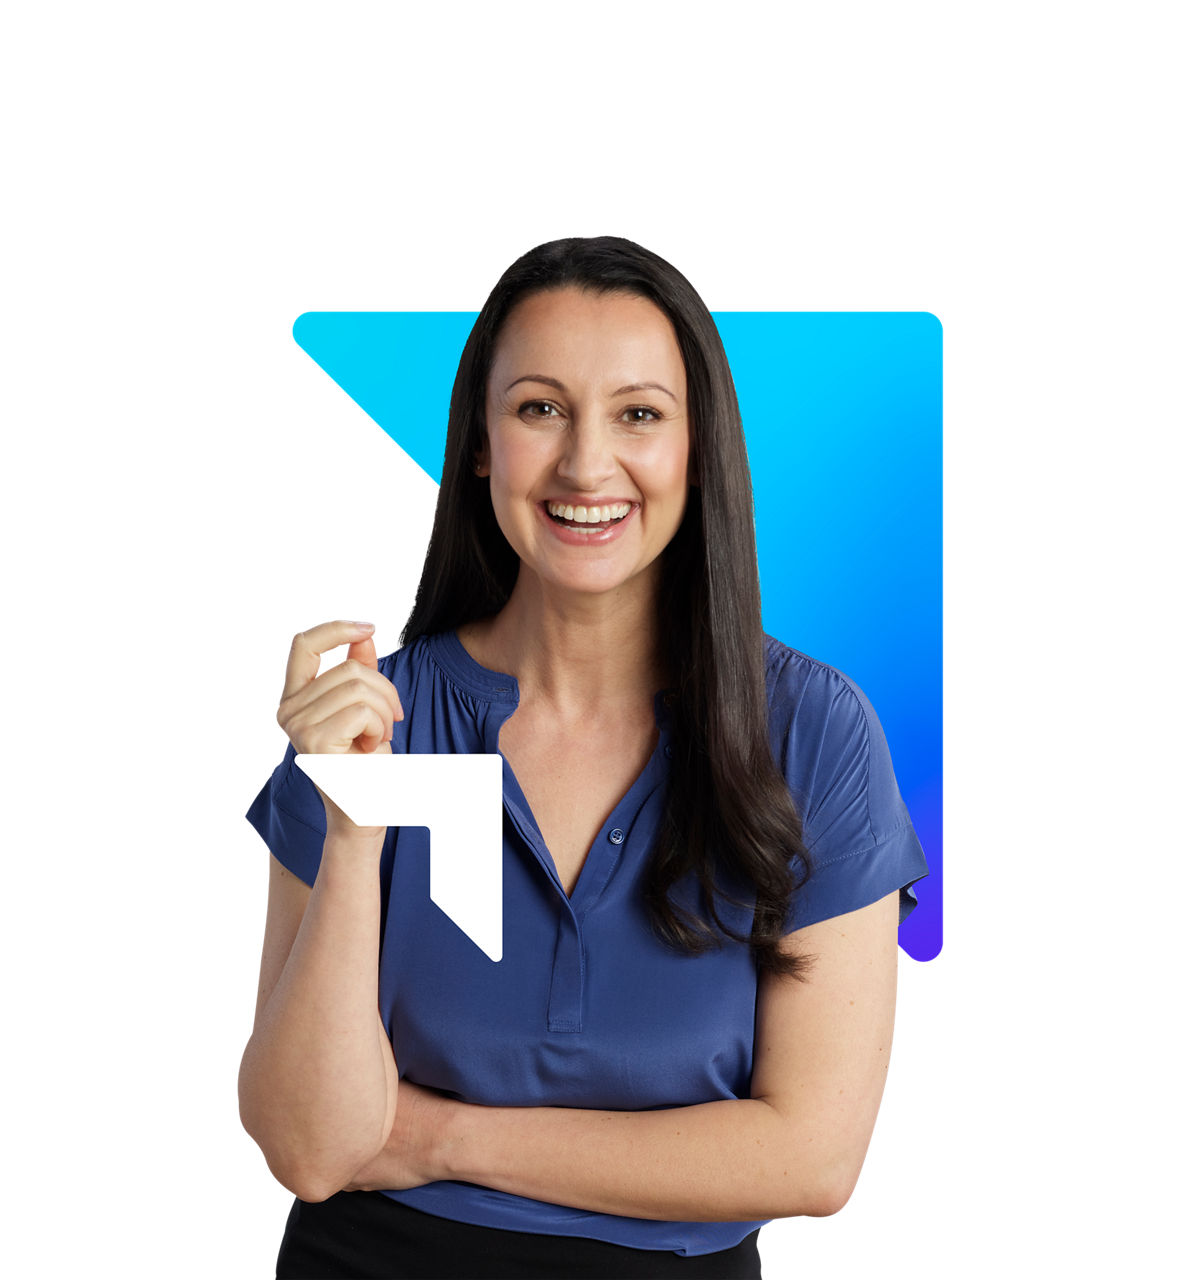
364, 651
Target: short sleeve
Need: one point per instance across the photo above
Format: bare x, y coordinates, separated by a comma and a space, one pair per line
857, 830
290, 818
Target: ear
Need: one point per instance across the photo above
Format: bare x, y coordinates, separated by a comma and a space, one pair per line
483, 462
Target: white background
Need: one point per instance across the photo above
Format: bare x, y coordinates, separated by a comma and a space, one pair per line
184, 489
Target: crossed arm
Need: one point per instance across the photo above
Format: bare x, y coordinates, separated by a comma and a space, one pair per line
336, 1117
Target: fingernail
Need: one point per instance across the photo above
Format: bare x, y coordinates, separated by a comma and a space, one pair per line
363, 626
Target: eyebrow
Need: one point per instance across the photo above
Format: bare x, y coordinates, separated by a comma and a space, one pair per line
619, 391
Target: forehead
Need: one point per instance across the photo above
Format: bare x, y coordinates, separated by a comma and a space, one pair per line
597, 340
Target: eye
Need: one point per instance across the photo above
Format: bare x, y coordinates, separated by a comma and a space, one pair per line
639, 414
538, 409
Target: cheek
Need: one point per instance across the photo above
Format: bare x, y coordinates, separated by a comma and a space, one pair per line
670, 472
518, 457
508, 467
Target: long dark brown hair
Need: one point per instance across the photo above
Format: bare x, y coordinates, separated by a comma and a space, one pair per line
730, 832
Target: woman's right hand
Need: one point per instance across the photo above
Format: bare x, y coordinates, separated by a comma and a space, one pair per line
349, 709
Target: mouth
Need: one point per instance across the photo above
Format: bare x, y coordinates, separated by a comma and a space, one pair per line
587, 520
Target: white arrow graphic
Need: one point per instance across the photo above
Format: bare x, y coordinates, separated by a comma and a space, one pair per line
460, 798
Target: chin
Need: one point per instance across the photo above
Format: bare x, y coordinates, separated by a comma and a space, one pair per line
594, 580
588, 585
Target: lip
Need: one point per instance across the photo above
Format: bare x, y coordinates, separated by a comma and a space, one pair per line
571, 537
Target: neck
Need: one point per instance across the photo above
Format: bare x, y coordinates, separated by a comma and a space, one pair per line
573, 651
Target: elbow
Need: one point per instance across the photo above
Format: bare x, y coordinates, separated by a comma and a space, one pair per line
311, 1176
306, 1180
825, 1201
816, 1202
310, 1179
310, 1185
820, 1196
818, 1177
829, 1193
310, 1162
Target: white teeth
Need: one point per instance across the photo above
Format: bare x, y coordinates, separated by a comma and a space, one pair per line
589, 515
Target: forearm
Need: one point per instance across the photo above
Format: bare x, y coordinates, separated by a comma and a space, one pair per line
720, 1161
318, 1084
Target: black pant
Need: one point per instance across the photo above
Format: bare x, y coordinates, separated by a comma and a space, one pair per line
364, 1235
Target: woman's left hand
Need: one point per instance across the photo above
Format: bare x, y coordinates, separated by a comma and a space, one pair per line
411, 1156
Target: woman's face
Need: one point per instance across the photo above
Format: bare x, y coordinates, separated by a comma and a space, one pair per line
588, 440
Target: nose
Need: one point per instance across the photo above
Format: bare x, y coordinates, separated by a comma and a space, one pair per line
588, 459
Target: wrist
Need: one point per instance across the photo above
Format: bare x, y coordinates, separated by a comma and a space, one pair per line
339, 825
453, 1153
352, 841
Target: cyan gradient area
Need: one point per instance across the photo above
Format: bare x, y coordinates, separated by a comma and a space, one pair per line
398, 366
843, 417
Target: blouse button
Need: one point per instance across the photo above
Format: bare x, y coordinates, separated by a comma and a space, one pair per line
669, 752
616, 836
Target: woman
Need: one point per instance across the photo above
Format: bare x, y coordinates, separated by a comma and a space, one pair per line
705, 854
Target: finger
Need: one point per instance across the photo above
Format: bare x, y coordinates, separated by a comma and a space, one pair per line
368, 744
309, 646
302, 724
320, 702
364, 651
337, 733
344, 673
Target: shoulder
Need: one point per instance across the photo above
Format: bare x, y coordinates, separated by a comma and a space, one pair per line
421, 670
813, 706
829, 744
831, 749
406, 661
441, 660
790, 674
425, 688
452, 705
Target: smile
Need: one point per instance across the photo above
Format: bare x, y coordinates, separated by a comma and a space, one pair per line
578, 525
587, 519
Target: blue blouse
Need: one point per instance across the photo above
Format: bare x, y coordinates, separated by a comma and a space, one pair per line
587, 1008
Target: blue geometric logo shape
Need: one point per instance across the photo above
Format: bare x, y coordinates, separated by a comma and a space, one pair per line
843, 418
